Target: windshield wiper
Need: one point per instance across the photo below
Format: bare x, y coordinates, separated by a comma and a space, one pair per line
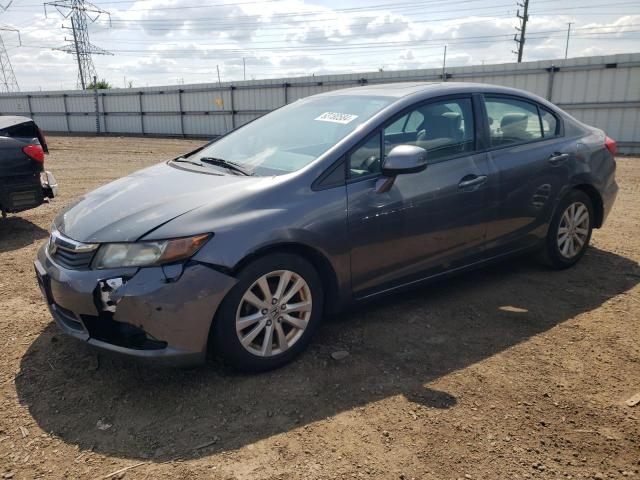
184, 160
219, 162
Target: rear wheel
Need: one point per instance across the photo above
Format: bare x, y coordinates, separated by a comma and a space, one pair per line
270, 315
570, 230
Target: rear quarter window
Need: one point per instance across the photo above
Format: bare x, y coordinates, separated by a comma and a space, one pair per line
549, 123
24, 130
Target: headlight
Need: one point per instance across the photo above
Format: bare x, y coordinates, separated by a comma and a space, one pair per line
145, 254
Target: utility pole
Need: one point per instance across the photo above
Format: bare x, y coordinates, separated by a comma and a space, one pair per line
566, 48
244, 69
522, 29
96, 103
81, 13
8, 82
444, 64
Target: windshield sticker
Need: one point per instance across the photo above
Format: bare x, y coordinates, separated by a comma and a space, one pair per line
334, 117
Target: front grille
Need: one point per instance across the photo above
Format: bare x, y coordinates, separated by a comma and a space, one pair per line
70, 253
72, 260
106, 329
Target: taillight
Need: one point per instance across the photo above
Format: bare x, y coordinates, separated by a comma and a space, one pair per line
34, 152
611, 145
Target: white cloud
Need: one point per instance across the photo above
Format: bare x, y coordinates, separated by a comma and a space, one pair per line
165, 39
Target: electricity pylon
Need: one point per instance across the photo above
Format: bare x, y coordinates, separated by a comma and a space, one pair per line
8, 82
81, 14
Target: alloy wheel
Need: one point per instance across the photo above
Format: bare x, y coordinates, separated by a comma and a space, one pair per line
273, 313
573, 230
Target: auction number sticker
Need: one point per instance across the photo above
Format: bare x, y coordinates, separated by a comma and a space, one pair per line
334, 117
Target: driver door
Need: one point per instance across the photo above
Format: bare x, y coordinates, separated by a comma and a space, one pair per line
427, 222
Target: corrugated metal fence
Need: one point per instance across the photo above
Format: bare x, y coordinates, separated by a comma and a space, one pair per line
602, 91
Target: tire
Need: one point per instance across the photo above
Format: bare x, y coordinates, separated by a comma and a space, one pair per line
241, 313
559, 254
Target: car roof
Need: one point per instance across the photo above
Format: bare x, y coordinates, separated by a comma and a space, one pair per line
418, 91
403, 89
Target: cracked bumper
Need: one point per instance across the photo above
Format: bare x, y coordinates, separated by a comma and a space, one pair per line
174, 314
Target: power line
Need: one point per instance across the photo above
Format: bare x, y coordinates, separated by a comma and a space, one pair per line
381, 8
250, 2
81, 13
278, 43
353, 48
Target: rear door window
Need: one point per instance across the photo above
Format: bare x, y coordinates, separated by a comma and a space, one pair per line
512, 121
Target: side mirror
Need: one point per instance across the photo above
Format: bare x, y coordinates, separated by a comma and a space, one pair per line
404, 159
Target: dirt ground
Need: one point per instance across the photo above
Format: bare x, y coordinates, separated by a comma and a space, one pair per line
509, 372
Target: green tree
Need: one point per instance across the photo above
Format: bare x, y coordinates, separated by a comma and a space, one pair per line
100, 85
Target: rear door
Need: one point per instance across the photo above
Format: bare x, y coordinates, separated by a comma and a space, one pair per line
426, 222
531, 161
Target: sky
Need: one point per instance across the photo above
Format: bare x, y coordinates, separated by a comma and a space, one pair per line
164, 42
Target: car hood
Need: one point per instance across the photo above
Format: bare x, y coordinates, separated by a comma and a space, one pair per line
128, 208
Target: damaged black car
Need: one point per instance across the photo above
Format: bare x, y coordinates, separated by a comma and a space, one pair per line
24, 183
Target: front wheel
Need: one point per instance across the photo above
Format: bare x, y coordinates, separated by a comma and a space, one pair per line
270, 315
570, 230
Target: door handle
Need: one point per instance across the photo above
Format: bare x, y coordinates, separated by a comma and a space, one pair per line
472, 182
558, 157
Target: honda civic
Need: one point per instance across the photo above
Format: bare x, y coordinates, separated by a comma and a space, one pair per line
240, 247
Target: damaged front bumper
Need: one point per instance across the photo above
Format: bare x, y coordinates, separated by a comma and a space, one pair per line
160, 313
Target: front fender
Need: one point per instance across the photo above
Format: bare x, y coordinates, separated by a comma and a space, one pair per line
315, 220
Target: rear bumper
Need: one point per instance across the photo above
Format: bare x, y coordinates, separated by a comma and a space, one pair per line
609, 195
49, 184
153, 316
27, 191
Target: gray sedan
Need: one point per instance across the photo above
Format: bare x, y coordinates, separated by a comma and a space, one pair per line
240, 247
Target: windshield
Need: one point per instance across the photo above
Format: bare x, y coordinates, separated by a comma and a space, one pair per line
291, 137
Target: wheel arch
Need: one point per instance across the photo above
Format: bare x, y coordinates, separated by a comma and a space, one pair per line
596, 201
319, 261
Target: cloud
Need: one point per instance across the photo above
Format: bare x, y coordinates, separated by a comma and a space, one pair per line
156, 41
301, 61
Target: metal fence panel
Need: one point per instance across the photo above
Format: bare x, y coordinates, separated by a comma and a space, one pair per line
124, 124
603, 91
162, 124
77, 103
82, 124
52, 123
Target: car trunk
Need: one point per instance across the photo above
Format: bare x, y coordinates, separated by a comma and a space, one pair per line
22, 148
15, 134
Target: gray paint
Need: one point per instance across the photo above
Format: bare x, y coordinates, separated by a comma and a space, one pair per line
427, 224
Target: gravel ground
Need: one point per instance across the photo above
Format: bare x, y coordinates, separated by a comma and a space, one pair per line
513, 371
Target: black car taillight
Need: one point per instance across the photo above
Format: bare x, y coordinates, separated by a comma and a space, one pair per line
611, 145
35, 152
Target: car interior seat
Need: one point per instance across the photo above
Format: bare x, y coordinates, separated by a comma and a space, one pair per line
514, 127
440, 131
